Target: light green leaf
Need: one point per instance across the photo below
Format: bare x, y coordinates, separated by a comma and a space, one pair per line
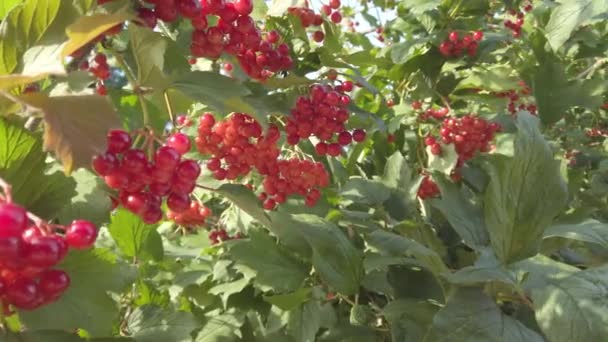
495, 78
6, 6
568, 16
420, 6
525, 193
22, 164
91, 201
275, 267
221, 328
465, 216
397, 173
541, 270
290, 301
245, 199
135, 238
225, 290
406, 50
470, 315
393, 244
365, 191
334, 257
85, 304
574, 308
148, 48
444, 162
279, 7
304, 322
591, 231
151, 323
24, 24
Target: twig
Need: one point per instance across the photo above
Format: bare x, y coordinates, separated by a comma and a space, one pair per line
169, 107
598, 63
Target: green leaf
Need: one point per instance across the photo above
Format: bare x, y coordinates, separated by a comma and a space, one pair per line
148, 49
43, 336
6, 6
290, 301
541, 270
365, 191
260, 9
475, 275
444, 162
574, 308
393, 244
397, 173
245, 199
404, 51
570, 15
334, 257
304, 322
410, 319
360, 315
275, 267
22, 164
75, 126
496, 78
91, 201
464, 215
470, 315
134, 238
420, 6
225, 290
24, 24
88, 28
151, 323
221, 328
85, 304
591, 231
525, 193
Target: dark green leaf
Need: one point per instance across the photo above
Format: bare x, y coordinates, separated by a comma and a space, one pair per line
151, 323
470, 315
591, 231
525, 193
91, 201
290, 301
221, 328
304, 322
365, 191
275, 267
410, 319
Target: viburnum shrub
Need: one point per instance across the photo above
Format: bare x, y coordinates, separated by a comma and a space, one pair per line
333, 170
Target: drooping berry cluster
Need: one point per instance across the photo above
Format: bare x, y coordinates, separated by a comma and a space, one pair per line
143, 183
29, 253
469, 134
194, 216
515, 26
220, 235
517, 99
294, 176
98, 67
236, 145
456, 47
322, 114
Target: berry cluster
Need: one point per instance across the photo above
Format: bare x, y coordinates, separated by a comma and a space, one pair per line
98, 67
468, 133
29, 251
596, 132
194, 216
456, 47
294, 176
220, 235
331, 11
379, 32
236, 145
323, 114
428, 188
516, 101
434, 113
515, 26
183, 121
142, 183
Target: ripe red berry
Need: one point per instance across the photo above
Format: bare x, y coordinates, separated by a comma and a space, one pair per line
436, 149
81, 234
477, 35
334, 149
13, 220
344, 138
22, 293
336, 17
269, 204
53, 283
453, 37
180, 142
335, 4
166, 158
318, 36
359, 135
178, 203
244, 7
118, 141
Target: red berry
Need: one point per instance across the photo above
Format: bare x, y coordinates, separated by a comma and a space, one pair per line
318, 36
269, 204
453, 37
436, 149
244, 7
178, 203
344, 138
13, 220
335, 4
81, 234
118, 141
359, 135
43, 251
180, 142
188, 169
166, 158
53, 283
477, 35
336, 17
22, 293
334, 149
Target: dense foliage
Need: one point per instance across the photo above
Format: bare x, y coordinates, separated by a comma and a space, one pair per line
185, 170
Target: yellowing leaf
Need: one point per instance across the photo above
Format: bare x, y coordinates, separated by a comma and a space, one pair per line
75, 126
90, 27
